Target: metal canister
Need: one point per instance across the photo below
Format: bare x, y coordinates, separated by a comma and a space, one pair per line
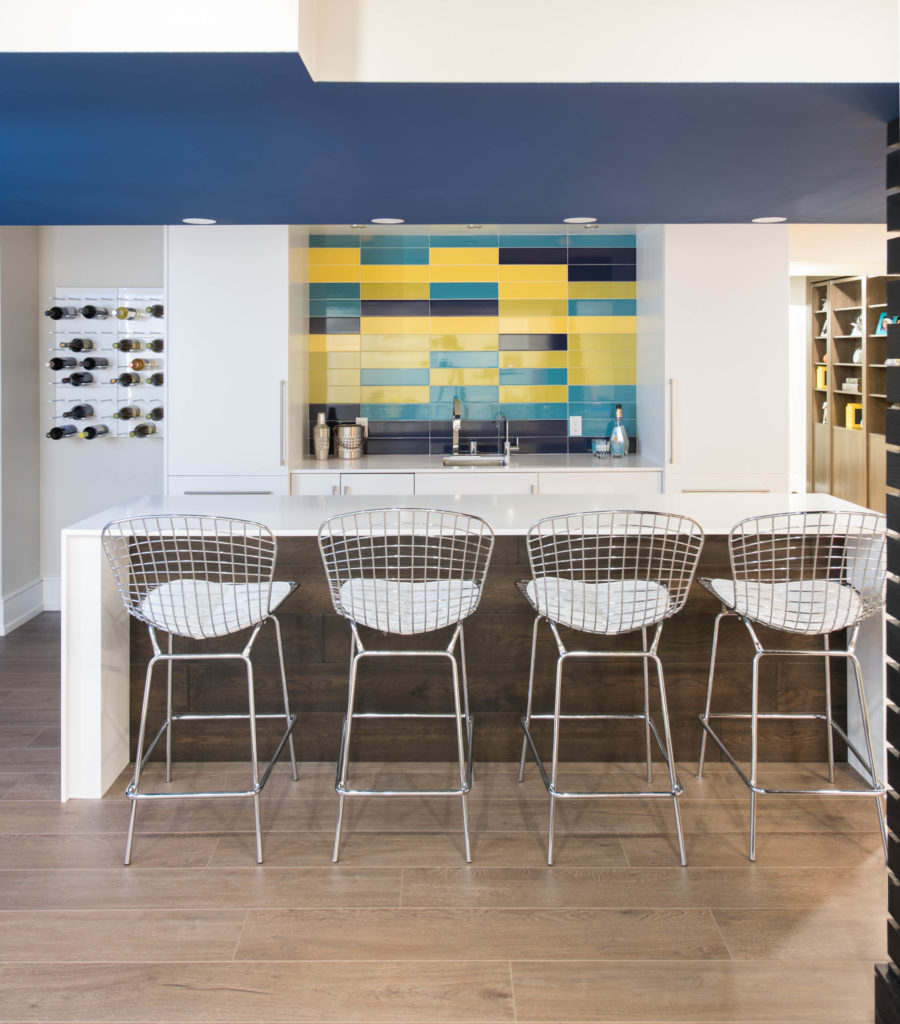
321, 437
348, 440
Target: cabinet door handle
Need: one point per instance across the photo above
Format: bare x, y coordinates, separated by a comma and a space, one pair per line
673, 418
335, 489
226, 492
282, 388
725, 490
347, 489
533, 489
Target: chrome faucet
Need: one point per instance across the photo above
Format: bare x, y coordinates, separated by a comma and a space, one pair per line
508, 449
456, 425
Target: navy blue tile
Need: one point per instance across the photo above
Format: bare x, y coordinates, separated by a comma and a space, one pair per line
464, 307
397, 446
603, 256
393, 241
487, 444
539, 428
470, 428
394, 307
532, 255
534, 342
334, 413
398, 428
597, 272
543, 445
334, 325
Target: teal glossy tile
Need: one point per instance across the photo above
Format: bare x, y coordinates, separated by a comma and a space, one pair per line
393, 411
397, 378
534, 410
334, 290
602, 307
442, 412
472, 241
377, 241
441, 291
592, 240
601, 425
464, 360
394, 257
465, 393
609, 393
349, 241
334, 307
519, 375
534, 241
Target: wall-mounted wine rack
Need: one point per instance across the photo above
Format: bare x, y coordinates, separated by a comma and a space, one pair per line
116, 385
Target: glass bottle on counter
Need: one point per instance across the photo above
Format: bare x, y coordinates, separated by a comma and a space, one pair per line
55, 433
156, 413
78, 380
79, 412
56, 363
618, 438
127, 345
89, 433
61, 312
143, 430
95, 362
94, 312
78, 345
127, 412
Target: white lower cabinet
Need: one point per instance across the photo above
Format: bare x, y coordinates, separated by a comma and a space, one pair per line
477, 481
377, 483
612, 482
228, 484
315, 483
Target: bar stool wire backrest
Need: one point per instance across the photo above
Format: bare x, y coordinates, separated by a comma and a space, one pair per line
405, 570
611, 572
809, 572
191, 575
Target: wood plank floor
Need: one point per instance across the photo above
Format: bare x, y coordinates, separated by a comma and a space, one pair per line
402, 929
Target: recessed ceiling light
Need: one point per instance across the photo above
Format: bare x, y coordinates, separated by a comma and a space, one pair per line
358, 227
587, 227
388, 220
197, 220
579, 220
768, 220
473, 227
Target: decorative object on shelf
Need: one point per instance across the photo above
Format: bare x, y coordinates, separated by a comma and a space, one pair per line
618, 439
851, 384
600, 447
857, 355
825, 414
822, 377
885, 320
321, 437
856, 327
853, 415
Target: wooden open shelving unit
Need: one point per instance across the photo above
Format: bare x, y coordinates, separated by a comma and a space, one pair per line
848, 462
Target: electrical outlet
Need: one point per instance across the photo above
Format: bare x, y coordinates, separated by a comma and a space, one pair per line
363, 421
574, 426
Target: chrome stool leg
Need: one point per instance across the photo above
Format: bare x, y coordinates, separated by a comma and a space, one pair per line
528, 704
827, 640
284, 693
867, 730
461, 751
647, 708
254, 755
670, 755
131, 791
709, 688
344, 761
557, 709
169, 666
754, 748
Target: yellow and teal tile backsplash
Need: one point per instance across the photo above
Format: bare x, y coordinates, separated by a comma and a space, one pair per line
538, 327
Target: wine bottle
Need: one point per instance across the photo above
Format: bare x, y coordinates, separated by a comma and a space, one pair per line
157, 345
155, 379
55, 433
77, 345
95, 362
156, 310
127, 345
618, 439
94, 312
127, 313
61, 364
142, 430
144, 364
78, 380
89, 433
126, 380
156, 413
61, 312
79, 412
127, 412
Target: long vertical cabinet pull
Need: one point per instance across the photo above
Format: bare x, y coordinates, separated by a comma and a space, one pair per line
282, 443
673, 419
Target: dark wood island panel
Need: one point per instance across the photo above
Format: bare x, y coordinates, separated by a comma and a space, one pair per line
498, 639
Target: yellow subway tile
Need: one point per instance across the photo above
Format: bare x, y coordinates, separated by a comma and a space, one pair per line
533, 360
394, 342
602, 290
599, 358
534, 290
603, 324
394, 291
607, 342
624, 377
340, 378
334, 360
533, 324
534, 393
464, 274
331, 257
534, 307
465, 342
329, 273
464, 325
469, 257
374, 274
334, 343
335, 395
521, 272
393, 325
401, 395
381, 360
457, 378
590, 376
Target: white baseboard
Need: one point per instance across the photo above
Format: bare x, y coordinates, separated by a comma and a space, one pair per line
52, 589
21, 605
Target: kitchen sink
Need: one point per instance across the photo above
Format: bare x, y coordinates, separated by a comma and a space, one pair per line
476, 460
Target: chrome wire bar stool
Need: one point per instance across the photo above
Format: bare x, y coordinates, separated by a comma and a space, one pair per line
405, 572
201, 578
808, 573
608, 573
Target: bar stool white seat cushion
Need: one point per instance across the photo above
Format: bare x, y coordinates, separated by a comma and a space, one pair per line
802, 606
199, 609
613, 606
406, 607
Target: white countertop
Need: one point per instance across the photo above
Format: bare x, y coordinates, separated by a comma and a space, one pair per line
508, 514
518, 464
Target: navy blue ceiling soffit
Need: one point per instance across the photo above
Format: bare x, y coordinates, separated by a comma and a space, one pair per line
249, 138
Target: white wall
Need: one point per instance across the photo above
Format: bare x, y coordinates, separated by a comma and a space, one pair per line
837, 250
81, 478
797, 383
20, 423
651, 343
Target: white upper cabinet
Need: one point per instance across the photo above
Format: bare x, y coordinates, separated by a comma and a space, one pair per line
227, 350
